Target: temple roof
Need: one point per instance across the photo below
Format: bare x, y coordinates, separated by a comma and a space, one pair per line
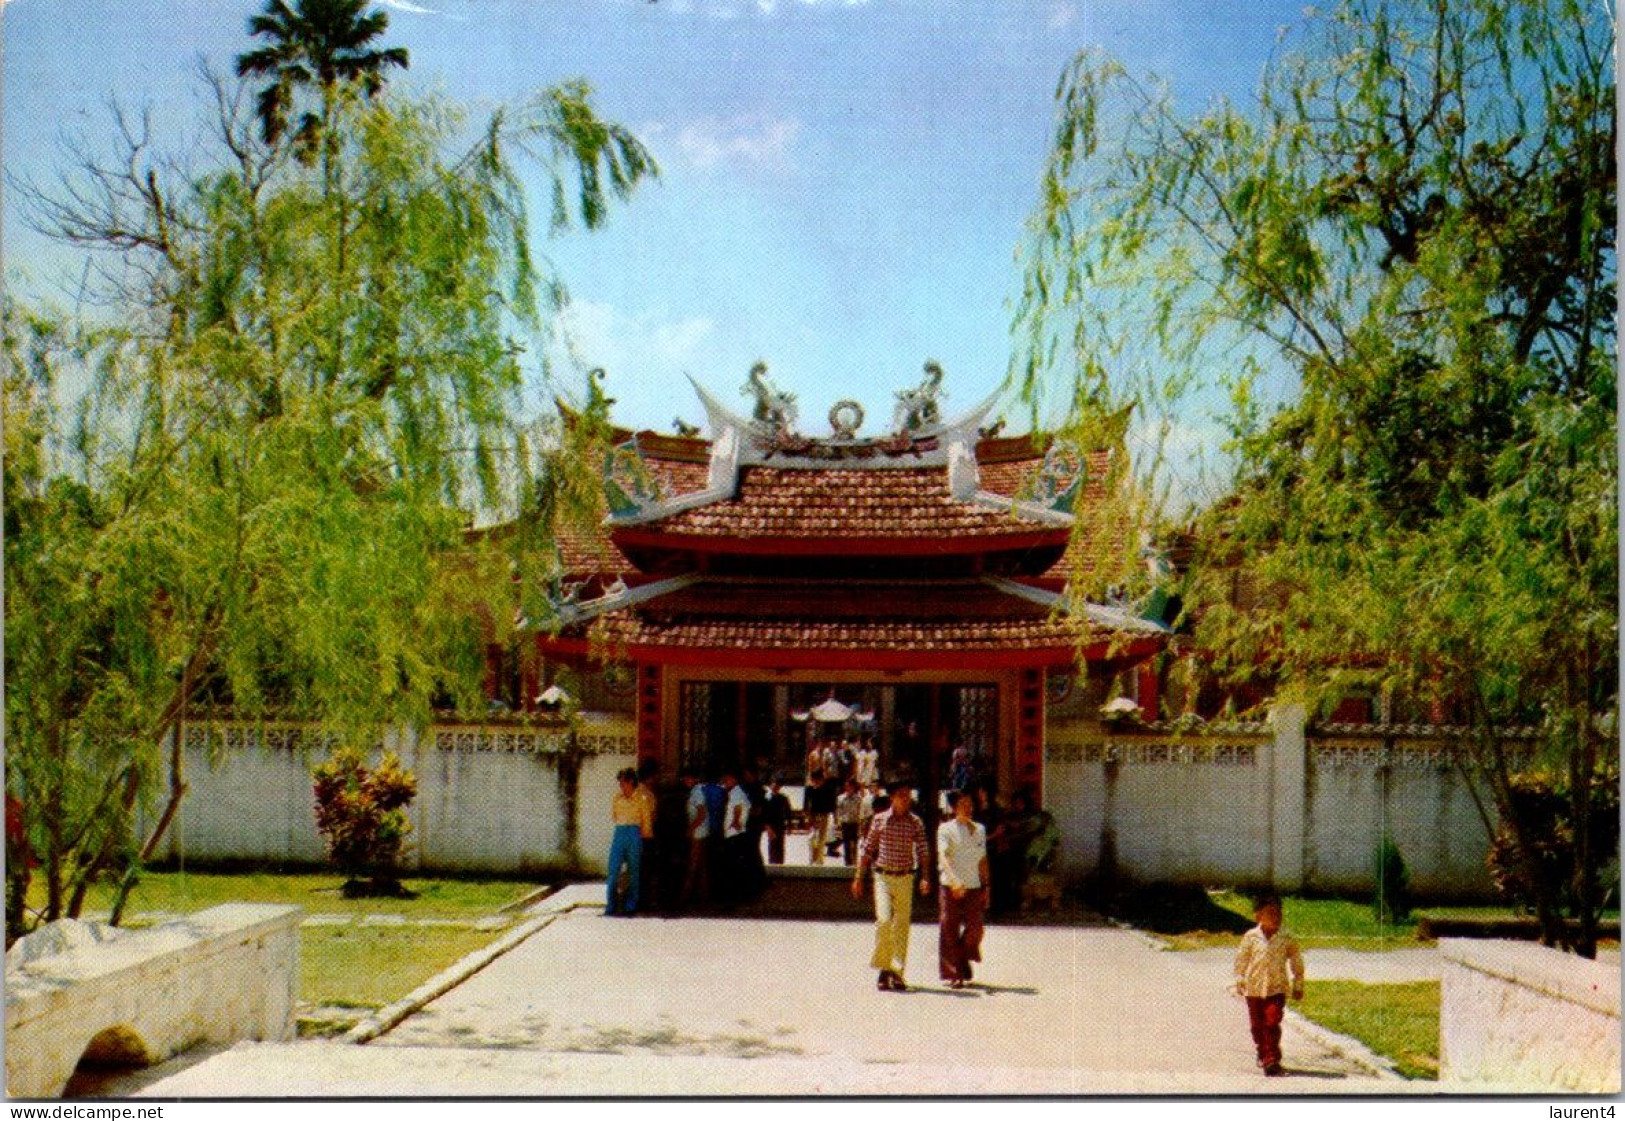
806, 621
883, 502
844, 503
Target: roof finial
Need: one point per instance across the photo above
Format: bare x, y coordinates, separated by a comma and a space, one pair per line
775, 409
917, 408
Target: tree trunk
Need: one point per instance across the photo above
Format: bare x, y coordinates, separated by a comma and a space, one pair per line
1547, 912
1583, 772
53, 810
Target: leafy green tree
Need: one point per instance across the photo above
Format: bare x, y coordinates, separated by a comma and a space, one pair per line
325, 44
1413, 227
261, 500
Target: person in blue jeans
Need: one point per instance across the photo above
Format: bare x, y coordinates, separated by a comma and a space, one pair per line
632, 817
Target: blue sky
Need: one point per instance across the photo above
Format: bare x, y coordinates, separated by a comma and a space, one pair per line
845, 181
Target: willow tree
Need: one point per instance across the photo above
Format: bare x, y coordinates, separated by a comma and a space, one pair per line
306, 384
1399, 260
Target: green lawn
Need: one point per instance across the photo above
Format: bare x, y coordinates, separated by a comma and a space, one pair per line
365, 967
1345, 923
317, 893
349, 966
1192, 919
1400, 1022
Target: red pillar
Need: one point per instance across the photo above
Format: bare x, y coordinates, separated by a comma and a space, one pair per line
1030, 733
648, 713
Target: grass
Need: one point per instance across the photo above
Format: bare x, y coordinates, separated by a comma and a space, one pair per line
317, 893
366, 967
1192, 919
1399, 1021
343, 966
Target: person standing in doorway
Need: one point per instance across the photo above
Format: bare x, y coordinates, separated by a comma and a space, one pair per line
716, 804
697, 883
962, 863
848, 819
776, 820
731, 888
649, 791
896, 848
632, 819
755, 874
819, 803
866, 764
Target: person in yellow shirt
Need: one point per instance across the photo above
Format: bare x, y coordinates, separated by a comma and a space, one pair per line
654, 856
1262, 961
633, 819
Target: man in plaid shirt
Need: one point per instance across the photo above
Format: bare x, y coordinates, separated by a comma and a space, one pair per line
896, 847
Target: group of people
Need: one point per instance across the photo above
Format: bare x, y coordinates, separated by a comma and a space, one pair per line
843, 782
1022, 839
693, 845
724, 821
894, 847
1268, 965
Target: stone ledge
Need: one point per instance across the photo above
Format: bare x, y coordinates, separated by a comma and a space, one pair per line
1591, 984
138, 947
224, 974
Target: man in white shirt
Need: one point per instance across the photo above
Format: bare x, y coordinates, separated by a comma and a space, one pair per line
696, 884
868, 765
735, 837
962, 859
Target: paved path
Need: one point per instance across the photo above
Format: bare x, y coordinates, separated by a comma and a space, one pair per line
595, 1005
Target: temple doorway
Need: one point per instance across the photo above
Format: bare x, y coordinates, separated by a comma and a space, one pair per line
932, 735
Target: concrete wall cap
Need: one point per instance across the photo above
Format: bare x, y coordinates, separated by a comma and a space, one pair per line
1591, 984
138, 947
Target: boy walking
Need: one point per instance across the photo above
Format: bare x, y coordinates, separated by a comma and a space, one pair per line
1261, 977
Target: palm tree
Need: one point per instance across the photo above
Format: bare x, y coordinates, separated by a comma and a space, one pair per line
314, 42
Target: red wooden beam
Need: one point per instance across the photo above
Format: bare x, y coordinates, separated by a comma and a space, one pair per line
963, 545
845, 659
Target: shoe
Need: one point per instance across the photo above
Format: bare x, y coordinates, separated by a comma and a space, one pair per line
884, 984
1274, 1070
956, 982
898, 985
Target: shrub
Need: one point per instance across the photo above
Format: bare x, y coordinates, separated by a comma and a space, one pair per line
1391, 901
361, 814
1544, 803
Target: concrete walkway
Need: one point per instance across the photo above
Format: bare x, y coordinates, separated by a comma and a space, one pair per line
606, 1006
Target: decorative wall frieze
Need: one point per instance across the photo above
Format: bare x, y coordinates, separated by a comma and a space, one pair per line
1185, 752
293, 738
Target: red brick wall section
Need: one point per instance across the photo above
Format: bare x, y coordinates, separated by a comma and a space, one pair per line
648, 713
1030, 732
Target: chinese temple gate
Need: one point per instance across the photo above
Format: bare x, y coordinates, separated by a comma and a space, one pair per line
743, 579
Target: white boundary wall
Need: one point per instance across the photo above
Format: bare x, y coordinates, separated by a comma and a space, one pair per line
1262, 804
490, 799
1252, 804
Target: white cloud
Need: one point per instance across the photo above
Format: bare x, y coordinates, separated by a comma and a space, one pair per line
1061, 15
753, 138
728, 9
407, 6
636, 350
